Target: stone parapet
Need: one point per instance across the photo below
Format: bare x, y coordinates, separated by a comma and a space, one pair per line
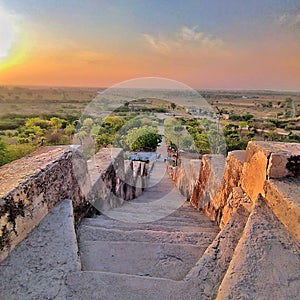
267, 168
283, 196
265, 160
186, 175
209, 181
33, 185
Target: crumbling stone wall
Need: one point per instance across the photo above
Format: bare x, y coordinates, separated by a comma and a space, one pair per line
33, 185
270, 169
185, 175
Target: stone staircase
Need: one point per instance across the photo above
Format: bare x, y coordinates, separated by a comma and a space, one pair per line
167, 248
161, 252
183, 255
158, 247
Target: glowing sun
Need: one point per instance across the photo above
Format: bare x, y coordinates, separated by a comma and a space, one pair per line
7, 34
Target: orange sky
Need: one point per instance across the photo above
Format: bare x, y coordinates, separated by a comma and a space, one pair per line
44, 55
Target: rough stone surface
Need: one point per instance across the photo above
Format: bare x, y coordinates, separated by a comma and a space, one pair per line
201, 282
46, 178
163, 260
39, 265
283, 196
209, 181
265, 160
153, 247
92, 233
165, 248
51, 174
204, 279
112, 286
229, 194
185, 176
266, 261
254, 170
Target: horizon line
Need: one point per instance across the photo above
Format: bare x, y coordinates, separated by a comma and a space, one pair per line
113, 86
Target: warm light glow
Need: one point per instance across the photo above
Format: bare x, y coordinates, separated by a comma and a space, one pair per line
12, 44
7, 34
42, 43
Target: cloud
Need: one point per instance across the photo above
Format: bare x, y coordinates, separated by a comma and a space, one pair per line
158, 44
290, 20
185, 38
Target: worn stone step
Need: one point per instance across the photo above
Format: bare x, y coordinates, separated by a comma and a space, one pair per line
181, 219
113, 286
161, 260
266, 261
206, 276
37, 267
172, 227
91, 233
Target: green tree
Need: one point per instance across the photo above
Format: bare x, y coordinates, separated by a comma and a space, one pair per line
80, 136
44, 124
143, 138
70, 130
202, 143
186, 141
2, 152
104, 140
87, 124
56, 123
113, 123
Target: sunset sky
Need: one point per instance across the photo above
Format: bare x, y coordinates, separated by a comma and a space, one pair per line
206, 44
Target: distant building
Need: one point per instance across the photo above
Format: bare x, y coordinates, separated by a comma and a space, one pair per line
143, 156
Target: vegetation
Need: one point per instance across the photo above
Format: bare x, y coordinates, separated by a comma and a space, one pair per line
49, 116
145, 138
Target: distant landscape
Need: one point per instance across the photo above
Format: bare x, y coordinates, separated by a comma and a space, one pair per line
31, 117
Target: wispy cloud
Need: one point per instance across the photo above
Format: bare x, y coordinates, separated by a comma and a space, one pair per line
290, 20
159, 44
184, 38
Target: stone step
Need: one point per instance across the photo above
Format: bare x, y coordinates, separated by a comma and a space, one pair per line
112, 286
201, 282
170, 227
172, 261
206, 276
178, 218
91, 233
37, 267
266, 262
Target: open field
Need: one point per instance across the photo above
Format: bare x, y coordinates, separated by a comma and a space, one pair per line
72, 101
39, 101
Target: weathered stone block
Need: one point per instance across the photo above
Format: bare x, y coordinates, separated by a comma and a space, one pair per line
32, 185
266, 160
254, 170
209, 181
283, 196
232, 176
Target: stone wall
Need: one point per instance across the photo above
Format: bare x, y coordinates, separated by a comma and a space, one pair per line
186, 175
270, 169
115, 180
33, 185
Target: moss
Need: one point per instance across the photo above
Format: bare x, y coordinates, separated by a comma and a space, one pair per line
4, 238
13, 209
293, 165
